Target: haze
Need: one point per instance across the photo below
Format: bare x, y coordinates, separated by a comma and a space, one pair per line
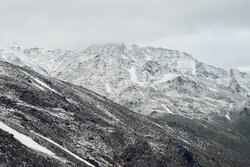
215, 32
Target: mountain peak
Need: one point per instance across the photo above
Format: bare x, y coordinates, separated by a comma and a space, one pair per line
130, 51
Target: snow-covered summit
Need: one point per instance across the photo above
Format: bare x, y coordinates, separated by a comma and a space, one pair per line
145, 79
134, 51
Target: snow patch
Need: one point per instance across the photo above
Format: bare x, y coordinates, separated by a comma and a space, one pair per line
108, 88
227, 116
27, 141
167, 77
133, 76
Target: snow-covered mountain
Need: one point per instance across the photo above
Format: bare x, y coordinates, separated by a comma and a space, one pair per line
168, 85
48, 122
151, 81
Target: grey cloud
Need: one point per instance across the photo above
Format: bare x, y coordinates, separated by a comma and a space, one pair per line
210, 30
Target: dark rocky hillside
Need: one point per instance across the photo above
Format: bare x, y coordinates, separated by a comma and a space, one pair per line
82, 128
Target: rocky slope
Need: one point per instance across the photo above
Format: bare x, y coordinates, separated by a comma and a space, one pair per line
73, 126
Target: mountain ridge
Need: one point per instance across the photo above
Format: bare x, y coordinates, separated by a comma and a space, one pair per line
117, 67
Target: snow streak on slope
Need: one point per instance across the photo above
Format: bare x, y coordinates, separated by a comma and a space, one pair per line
27, 141
167, 109
66, 150
38, 86
45, 85
41, 85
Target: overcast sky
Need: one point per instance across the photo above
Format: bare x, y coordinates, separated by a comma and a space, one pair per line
213, 31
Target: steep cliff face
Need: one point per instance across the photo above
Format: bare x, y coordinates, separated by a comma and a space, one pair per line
73, 126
